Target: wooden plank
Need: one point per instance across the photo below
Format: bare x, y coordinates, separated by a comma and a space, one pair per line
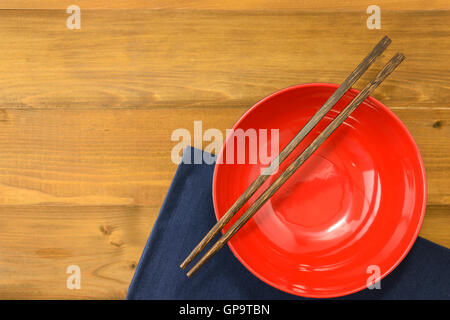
435, 225
152, 59
122, 156
105, 242
227, 5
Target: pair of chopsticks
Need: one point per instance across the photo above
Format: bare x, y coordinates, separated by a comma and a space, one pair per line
258, 203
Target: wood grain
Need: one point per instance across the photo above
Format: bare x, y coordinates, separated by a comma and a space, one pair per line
38, 243
331, 5
86, 115
265, 5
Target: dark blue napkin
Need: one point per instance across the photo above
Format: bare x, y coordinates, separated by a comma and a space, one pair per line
186, 216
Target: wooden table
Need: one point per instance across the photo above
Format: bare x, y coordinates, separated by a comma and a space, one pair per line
86, 115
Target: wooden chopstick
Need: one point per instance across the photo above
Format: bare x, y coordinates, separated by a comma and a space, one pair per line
343, 88
371, 86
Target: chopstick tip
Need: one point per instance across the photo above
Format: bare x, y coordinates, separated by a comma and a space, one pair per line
386, 40
400, 57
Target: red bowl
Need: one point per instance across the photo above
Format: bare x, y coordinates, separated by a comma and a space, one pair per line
354, 208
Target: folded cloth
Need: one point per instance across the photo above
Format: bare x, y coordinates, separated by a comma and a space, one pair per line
187, 214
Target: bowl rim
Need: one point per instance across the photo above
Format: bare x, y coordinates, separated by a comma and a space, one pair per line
400, 125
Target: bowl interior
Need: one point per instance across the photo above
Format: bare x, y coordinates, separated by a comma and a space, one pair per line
352, 211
